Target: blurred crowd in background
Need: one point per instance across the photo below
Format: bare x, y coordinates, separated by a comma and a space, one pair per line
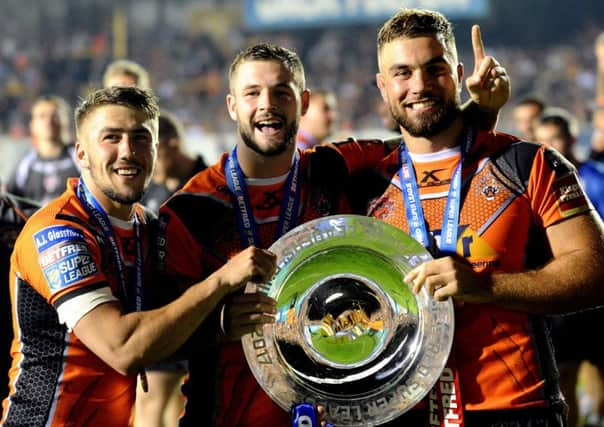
62, 46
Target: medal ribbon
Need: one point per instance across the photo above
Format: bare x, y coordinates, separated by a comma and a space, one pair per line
248, 231
445, 405
413, 205
98, 214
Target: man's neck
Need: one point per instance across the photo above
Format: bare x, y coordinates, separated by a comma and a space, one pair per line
255, 165
112, 208
49, 149
448, 138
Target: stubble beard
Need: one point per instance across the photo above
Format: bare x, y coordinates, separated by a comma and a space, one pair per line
114, 195
429, 124
288, 140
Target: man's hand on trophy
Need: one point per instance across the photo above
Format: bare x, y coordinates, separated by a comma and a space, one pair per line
242, 313
450, 276
251, 264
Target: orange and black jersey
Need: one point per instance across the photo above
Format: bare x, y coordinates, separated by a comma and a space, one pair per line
198, 233
512, 191
61, 268
14, 211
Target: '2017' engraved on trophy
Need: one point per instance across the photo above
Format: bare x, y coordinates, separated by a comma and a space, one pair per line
259, 344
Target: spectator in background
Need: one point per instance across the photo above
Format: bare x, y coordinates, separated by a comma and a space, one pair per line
599, 51
318, 122
40, 175
388, 120
174, 167
592, 171
558, 129
124, 72
525, 112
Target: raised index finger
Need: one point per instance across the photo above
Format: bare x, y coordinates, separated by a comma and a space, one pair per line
478, 46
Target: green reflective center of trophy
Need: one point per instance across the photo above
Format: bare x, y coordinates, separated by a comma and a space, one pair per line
343, 301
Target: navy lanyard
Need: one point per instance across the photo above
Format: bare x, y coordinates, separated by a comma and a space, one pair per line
248, 231
413, 205
96, 211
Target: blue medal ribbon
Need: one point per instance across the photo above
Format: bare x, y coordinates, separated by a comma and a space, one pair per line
95, 210
288, 214
413, 205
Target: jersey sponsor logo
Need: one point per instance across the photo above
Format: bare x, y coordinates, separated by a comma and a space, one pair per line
64, 257
56, 253
429, 179
271, 200
570, 196
51, 236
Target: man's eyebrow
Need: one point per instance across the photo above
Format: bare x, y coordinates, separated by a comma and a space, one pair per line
121, 130
256, 86
435, 60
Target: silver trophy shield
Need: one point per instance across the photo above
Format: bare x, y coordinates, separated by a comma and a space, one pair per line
349, 332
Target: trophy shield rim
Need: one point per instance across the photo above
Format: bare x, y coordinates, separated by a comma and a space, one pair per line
402, 379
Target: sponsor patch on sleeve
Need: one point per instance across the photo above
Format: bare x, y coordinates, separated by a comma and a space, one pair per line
64, 256
570, 196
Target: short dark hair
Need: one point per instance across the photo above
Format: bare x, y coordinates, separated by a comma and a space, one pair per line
169, 126
270, 52
561, 119
55, 99
131, 97
531, 100
412, 23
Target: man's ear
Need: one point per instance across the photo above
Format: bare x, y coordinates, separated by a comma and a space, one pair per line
232, 106
81, 155
379, 79
460, 76
305, 98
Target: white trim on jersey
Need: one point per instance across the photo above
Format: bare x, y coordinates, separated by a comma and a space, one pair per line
72, 310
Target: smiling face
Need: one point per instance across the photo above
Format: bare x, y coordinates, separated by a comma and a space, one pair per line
266, 103
420, 82
116, 149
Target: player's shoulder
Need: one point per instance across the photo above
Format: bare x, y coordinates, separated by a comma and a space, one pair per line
518, 160
203, 197
64, 212
363, 142
208, 180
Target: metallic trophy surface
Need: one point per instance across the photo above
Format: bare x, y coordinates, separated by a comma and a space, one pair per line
349, 333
